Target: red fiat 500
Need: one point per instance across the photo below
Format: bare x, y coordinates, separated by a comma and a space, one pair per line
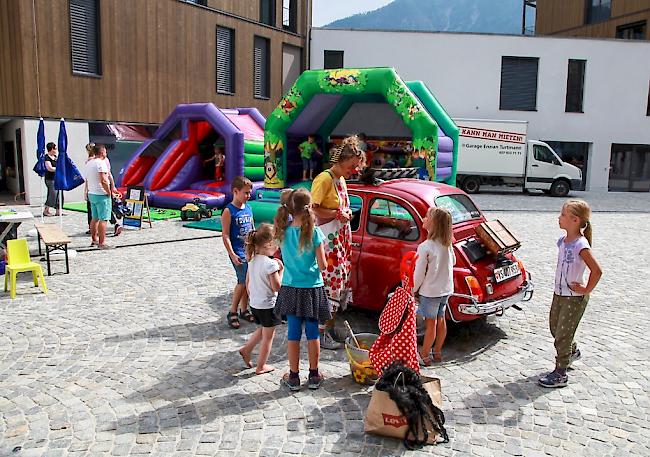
387, 223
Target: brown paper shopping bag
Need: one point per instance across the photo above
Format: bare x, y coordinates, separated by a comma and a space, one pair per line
384, 417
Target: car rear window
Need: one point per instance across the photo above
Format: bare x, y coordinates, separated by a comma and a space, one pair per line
460, 206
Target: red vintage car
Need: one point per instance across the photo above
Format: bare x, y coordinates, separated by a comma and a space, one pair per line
387, 223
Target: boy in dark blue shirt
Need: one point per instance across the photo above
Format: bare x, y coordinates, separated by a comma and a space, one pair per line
236, 222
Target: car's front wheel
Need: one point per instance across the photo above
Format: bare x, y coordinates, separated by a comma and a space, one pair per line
560, 188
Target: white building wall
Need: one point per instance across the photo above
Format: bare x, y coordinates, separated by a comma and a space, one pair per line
464, 73
77, 139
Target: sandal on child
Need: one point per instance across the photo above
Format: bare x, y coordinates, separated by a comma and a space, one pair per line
425, 362
247, 315
437, 357
233, 320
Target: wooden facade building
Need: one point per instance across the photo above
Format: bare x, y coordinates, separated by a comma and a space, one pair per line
624, 19
133, 61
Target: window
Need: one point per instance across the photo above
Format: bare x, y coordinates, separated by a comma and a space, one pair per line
391, 220
598, 11
574, 153
267, 12
261, 68
519, 83
634, 31
575, 86
460, 206
84, 37
290, 15
225, 60
543, 154
332, 59
356, 205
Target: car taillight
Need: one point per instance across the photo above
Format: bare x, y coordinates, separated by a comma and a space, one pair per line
522, 269
474, 288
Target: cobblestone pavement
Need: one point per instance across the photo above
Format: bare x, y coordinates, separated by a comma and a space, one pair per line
130, 354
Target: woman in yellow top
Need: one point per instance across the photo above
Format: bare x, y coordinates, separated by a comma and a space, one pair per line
329, 195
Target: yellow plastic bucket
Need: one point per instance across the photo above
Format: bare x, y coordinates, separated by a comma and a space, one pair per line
360, 366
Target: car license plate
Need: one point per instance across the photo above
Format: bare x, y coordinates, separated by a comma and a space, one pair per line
507, 272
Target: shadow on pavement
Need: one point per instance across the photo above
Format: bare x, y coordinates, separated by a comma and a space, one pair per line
503, 402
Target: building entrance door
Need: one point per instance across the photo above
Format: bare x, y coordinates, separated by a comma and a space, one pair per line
629, 167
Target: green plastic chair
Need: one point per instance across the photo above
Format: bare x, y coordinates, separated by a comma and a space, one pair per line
18, 261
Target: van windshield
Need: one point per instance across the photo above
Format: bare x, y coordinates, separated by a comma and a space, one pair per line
460, 206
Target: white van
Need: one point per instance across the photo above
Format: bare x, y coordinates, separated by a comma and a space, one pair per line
499, 153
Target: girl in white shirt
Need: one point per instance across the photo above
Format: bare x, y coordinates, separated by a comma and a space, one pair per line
263, 282
571, 293
433, 280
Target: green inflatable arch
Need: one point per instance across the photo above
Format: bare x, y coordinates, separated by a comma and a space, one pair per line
320, 98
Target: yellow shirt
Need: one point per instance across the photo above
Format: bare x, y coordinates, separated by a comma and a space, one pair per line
323, 192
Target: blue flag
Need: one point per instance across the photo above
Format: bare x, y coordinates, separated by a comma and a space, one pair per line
67, 175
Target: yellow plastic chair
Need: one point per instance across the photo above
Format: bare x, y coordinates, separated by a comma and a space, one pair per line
18, 261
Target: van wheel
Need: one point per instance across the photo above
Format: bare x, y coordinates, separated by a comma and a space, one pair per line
471, 184
560, 188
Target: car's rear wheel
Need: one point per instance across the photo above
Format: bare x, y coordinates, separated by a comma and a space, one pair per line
471, 184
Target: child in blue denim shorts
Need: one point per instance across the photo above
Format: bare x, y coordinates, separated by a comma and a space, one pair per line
433, 280
236, 223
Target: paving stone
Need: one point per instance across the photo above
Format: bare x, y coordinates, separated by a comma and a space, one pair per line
129, 354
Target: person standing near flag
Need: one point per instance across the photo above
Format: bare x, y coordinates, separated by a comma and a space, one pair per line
98, 193
52, 201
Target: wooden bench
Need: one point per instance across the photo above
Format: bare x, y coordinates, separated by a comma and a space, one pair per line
54, 240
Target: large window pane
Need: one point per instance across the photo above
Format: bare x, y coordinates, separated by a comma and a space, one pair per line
332, 59
575, 86
84, 37
519, 83
391, 220
225, 60
267, 12
598, 10
261, 68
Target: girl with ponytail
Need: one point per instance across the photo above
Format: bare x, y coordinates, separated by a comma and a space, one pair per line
302, 298
571, 291
263, 281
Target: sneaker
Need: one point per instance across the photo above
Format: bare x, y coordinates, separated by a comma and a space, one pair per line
575, 355
554, 379
327, 342
292, 384
315, 382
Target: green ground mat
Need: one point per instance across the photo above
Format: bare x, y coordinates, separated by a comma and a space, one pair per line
157, 214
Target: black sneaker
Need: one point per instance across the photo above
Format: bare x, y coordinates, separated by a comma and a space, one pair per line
315, 382
553, 380
292, 383
575, 355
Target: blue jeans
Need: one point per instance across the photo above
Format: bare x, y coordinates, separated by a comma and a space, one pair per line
433, 307
294, 328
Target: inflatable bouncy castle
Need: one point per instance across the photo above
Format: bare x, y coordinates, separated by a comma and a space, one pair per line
178, 164
331, 104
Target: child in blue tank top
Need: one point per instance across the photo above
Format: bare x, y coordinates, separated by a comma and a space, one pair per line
236, 223
302, 298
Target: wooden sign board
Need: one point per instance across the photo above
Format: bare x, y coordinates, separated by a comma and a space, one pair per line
138, 204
